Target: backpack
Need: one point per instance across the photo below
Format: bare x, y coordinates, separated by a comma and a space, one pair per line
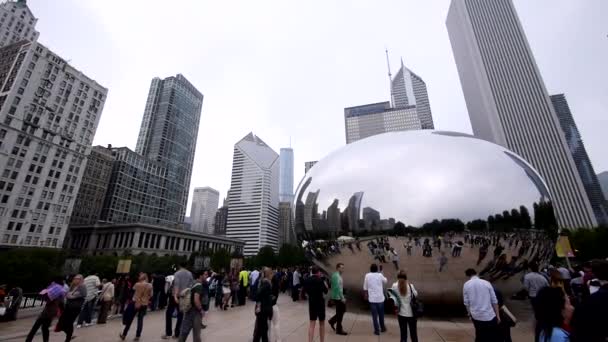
185, 298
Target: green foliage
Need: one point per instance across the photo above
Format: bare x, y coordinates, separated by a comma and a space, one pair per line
589, 244
291, 255
30, 268
221, 260
266, 257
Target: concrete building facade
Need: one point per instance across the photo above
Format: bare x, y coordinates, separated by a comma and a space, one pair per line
377, 118
253, 199
205, 202
17, 23
409, 89
508, 103
49, 113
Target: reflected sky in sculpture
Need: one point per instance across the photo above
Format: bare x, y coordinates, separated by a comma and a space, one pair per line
414, 177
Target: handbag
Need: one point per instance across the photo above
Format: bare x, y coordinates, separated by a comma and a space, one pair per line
417, 306
507, 317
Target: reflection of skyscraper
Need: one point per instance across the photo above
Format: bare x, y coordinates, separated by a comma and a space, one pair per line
310, 210
371, 217
377, 118
253, 199
353, 211
300, 227
308, 165
408, 89
286, 175
507, 100
333, 217
581, 159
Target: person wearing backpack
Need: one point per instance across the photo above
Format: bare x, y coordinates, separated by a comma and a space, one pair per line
191, 305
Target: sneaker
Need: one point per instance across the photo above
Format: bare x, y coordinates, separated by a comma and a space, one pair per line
203, 326
122, 337
87, 325
136, 338
383, 330
165, 337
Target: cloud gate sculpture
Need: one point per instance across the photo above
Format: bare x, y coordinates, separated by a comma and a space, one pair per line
442, 202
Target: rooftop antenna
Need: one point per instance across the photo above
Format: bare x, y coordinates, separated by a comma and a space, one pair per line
390, 77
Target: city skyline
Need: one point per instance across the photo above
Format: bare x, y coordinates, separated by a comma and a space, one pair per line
265, 113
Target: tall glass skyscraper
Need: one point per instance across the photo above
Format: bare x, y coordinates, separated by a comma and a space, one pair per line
507, 100
408, 89
253, 199
286, 175
581, 159
168, 134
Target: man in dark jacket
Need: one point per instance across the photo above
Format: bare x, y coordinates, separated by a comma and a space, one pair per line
589, 323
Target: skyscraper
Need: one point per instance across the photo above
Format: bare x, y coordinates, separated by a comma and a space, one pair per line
286, 175
204, 206
253, 199
286, 232
17, 23
49, 113
507, 100
168, 134
408, 89
377, 118
581, 159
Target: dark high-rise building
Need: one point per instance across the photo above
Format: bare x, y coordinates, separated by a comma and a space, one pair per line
581, 159
221, 219
507, 100
168, 134
92, 191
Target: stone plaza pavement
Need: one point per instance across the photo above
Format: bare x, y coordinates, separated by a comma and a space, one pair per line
236, 325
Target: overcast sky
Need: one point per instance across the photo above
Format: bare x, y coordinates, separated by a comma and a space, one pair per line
288, 68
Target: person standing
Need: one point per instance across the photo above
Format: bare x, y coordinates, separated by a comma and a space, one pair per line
182, 279
337, 296
534, 282
373, 285
74, 300
395, 258
141, 299
589, 321
193, 318
482, 306
105, 298
274, 329
296, 284
315, 287
244, 286
93, 284
53, 295
553, 314
263, 306
158, 287
255, 274
404, 290
205, 299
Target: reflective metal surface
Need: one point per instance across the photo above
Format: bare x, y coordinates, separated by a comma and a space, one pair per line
427, 186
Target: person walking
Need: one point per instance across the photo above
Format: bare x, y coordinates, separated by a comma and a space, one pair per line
74, 301
253, 280
315, 287
394, 258
141, 299
482, 306
205, 298
274, 326
405, 291
105, 298
182, 279
589, 321
263, 306
553, 314
93, 284
193, 318
373, 285
53, 295
338, 299
296, 284
534, 282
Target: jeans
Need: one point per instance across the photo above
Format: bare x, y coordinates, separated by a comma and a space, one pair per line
173, 306
537, 329
87, 312
261, 328
140, 322
378, 317
486, 331
155, 300
193, 320
404, 323
41, 322
337, 318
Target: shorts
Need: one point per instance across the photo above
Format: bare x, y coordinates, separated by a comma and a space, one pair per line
316, 311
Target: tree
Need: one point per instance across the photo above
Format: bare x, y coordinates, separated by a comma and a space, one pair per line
290, 255
399, 228
525, 220
220, 260
266, 257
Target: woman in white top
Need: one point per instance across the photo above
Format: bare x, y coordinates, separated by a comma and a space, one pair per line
404, 290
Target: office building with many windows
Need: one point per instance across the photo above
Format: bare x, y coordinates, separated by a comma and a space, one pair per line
581, 158
49, 113
17, 23
168, 135
253, 199
508, 103
409, 89
286, 175
377, 118
205, 201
